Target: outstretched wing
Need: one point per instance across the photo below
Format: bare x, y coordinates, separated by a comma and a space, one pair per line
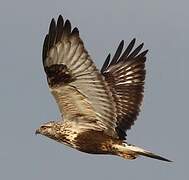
75, 82
125, 75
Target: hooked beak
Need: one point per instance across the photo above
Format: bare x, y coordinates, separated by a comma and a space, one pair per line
37, 131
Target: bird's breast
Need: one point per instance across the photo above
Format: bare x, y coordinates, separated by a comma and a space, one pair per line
86, 140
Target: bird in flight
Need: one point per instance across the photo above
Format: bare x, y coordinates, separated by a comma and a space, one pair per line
97, 107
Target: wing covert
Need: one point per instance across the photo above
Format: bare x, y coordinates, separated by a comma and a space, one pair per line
75, 82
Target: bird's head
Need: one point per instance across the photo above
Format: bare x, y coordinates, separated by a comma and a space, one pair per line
49, 129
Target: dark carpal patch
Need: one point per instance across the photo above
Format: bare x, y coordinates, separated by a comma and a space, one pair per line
58, 74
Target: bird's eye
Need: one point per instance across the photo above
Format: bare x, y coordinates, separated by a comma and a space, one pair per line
44, 127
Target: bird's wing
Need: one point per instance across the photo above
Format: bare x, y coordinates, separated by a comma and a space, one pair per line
125, 75
74, 81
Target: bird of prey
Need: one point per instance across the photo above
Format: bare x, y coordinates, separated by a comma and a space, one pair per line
97, 107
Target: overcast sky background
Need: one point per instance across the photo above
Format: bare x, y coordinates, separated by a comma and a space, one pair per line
26, 102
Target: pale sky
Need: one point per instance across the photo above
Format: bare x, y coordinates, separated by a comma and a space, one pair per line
26, 102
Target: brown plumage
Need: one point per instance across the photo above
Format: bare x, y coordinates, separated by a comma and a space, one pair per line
97, 108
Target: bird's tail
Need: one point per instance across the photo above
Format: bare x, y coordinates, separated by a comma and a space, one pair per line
128, 151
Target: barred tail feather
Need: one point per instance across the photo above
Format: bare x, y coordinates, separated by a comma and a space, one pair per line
128, 151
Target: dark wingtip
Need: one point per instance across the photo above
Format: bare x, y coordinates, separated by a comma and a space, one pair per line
45, 47
142, 54
117, 53
136, 51
60, 21
75, 31
121, 43
67, 26
133, 41
60, 17
106, 63
52, 25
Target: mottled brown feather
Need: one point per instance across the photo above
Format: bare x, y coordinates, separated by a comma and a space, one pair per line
94, 142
